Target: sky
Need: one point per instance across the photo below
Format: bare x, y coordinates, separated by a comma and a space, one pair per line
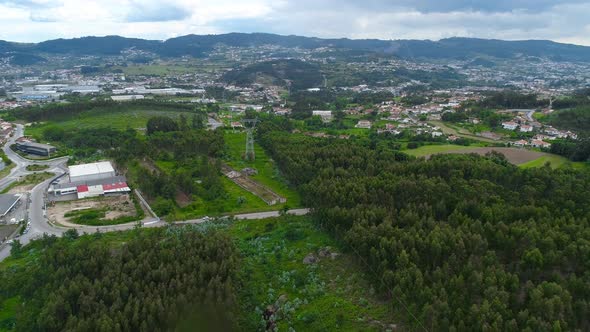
559, 20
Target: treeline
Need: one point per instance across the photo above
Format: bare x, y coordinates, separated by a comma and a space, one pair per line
157, 280
512, 99
576, 120
574, 150
463, 242
579, 98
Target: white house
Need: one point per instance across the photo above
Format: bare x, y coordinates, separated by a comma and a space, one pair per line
526, 129
510, 125
364, 124
540, 144
325, 115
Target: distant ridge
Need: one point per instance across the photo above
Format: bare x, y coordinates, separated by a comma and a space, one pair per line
200, 45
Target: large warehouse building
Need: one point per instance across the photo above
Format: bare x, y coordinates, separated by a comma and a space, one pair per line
94, 171
91, 180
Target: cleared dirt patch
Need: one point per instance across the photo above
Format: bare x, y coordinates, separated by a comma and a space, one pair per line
6, 230
115, 206
513, 155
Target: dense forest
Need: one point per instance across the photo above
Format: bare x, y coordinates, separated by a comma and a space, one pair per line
459, 242
158, 280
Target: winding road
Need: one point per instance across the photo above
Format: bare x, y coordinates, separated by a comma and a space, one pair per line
39, 224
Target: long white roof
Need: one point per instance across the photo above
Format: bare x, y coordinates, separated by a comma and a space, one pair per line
89, 169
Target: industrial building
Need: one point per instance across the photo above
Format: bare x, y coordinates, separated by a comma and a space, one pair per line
127, 97
93, 188
35, 148
94, 171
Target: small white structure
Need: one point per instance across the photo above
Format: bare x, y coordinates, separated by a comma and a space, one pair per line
526, 129
364, 124
94, 171
325, 115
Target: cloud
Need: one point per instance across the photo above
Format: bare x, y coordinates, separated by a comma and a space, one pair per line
156, 12
560, 20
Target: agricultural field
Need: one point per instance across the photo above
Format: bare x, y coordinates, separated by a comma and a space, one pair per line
428, 150
521, 157
555, 161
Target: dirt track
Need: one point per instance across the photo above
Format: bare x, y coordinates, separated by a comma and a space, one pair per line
513, 155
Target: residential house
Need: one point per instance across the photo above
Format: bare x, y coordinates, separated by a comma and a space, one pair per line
364, 124
510, 125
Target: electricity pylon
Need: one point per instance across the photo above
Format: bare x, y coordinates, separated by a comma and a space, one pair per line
250, 126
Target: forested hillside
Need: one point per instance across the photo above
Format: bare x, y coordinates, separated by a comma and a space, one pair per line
301, 75
154, 281
460, 242
201, 45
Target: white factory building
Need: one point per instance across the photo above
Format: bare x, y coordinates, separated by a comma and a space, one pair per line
92, 180
94, 171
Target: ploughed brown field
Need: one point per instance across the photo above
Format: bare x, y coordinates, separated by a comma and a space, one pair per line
513, 155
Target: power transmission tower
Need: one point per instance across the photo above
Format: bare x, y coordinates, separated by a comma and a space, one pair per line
250, 126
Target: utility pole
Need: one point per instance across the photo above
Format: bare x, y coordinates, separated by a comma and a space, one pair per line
250, 155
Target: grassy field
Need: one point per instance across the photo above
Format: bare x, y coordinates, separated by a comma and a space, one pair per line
433, 149
36, 167
4, 172
556, 162
8, 313
268, 173
332, 294
115, 120
236, 200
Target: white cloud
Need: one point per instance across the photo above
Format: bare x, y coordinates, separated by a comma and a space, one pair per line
36, 20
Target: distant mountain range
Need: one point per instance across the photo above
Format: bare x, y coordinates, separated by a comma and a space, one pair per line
200, 45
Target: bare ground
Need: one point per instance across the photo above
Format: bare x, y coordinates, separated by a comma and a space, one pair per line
6, 230
118, 206
513, 155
